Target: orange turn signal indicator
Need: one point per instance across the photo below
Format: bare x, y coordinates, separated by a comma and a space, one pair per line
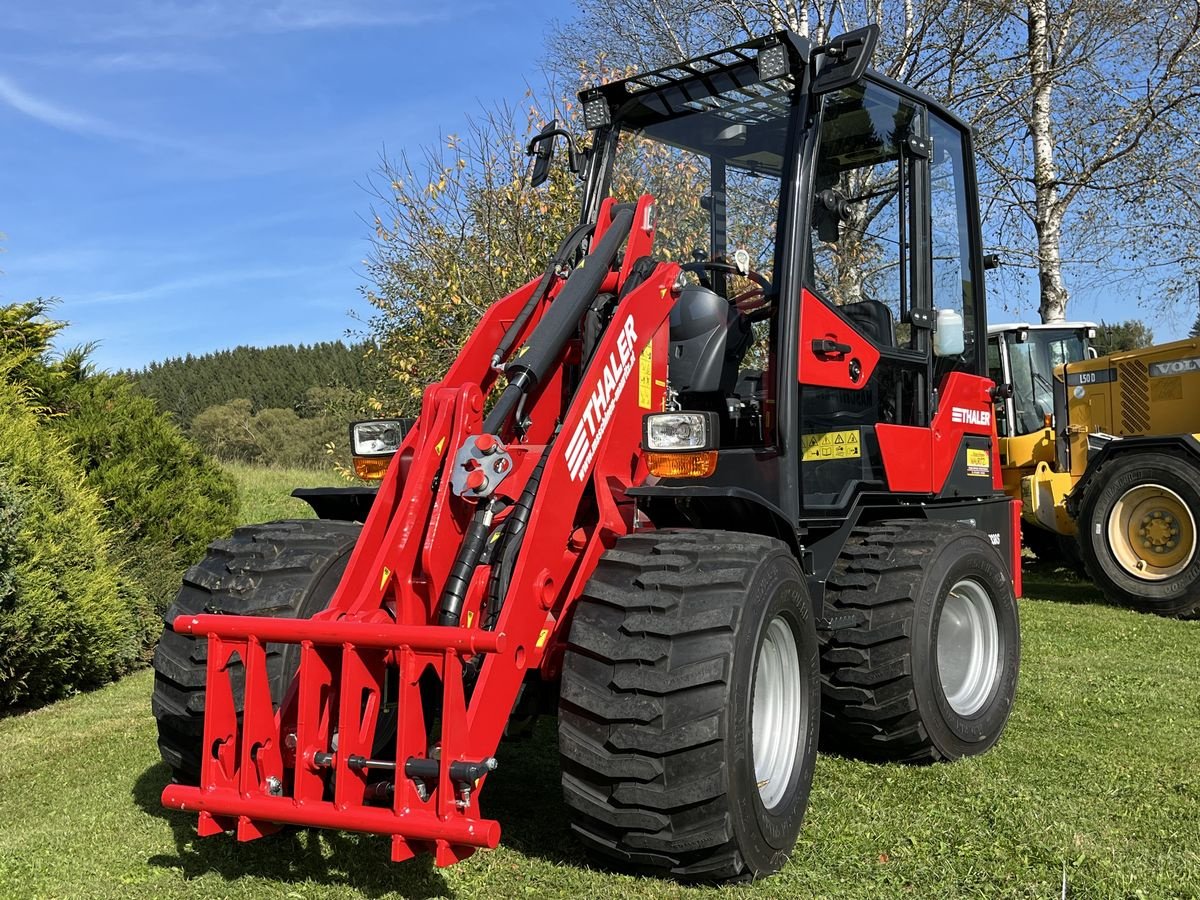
371, 468
698, 464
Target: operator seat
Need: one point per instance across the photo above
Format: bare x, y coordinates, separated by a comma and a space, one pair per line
709, 340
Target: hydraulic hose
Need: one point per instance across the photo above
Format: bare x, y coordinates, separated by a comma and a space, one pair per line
511, 533
455, 591
559, 323
566, 250
539, 354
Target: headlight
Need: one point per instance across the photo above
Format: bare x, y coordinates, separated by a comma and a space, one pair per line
679, 431
381, 437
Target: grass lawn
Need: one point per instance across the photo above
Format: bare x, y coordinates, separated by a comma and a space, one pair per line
1098, 776
265, 490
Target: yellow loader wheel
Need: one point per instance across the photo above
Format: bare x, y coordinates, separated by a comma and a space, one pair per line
1138, 533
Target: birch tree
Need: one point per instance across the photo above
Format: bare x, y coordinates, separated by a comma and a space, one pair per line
1102, 167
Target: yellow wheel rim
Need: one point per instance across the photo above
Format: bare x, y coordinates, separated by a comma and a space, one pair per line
1151, 532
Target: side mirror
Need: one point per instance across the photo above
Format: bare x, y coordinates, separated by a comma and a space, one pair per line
846, 59
541, 148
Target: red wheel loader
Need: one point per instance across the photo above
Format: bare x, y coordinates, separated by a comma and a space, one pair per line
724, 476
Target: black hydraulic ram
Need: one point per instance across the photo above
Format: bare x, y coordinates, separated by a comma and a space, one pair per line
560, 322
557, 326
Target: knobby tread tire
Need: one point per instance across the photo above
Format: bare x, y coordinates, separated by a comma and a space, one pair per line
871, 704
1174, 597
283, 569
645, 699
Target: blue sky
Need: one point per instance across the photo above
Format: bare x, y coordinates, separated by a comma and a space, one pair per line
188, 176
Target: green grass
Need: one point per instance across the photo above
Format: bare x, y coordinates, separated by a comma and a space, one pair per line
1096, 776
1097, 773
264, 490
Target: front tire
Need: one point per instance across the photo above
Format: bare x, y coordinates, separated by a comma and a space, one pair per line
1138, 533
280, 569
689, 705
928, 668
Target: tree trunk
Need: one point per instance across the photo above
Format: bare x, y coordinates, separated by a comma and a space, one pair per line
1048, 204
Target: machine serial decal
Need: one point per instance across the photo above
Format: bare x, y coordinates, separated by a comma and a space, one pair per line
978, 462
1175, 366
603, 401
831, 445
1103, 376
971, 416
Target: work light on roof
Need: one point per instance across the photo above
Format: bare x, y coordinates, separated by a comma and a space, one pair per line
596, 113
773, 62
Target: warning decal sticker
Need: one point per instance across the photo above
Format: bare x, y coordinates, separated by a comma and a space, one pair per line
831, 445
645, 375
979, 462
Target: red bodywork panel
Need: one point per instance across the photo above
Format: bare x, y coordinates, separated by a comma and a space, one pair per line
270, 767
819, 322
920, 459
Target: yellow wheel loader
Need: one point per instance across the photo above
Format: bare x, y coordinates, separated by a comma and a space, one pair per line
1103, 452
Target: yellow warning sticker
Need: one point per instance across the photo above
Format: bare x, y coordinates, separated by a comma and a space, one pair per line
831, 445
645, 375
387, 573
979, 462
541, 641
439, 446
470, 618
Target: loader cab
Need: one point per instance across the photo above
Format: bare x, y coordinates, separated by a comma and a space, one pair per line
826, 219
1026, 356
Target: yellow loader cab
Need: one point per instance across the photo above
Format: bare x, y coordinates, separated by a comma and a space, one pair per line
1026, 357
1115, 461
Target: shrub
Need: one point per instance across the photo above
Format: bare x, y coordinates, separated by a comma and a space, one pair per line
165, 497
67, 614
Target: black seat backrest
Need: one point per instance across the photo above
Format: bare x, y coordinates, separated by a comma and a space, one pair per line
709, 339
873, 320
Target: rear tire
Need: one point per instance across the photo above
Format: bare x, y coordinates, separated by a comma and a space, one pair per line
928, 670
689, 705
280, 569
1138, 533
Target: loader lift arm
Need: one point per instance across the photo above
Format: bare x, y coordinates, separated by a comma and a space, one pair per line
418, 562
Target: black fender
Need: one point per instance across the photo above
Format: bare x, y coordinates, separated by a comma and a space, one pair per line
346, 504
1185, 444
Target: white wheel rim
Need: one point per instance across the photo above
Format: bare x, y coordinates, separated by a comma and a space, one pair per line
778, 713
968, 647
1152, 533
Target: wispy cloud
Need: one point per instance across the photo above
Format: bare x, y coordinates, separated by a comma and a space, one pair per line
49, 113
159, 19
226, 276
154, 60
64, 118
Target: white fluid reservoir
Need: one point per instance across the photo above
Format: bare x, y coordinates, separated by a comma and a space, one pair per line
948, 339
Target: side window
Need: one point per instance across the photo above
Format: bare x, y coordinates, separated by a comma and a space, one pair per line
950, 212
860, 216
996, 373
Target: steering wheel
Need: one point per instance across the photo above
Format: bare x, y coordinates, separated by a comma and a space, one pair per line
753, 302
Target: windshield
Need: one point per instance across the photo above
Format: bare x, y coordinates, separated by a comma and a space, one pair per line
715, 165
1032, 365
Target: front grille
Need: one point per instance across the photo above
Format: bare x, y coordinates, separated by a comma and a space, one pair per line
1135, 397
